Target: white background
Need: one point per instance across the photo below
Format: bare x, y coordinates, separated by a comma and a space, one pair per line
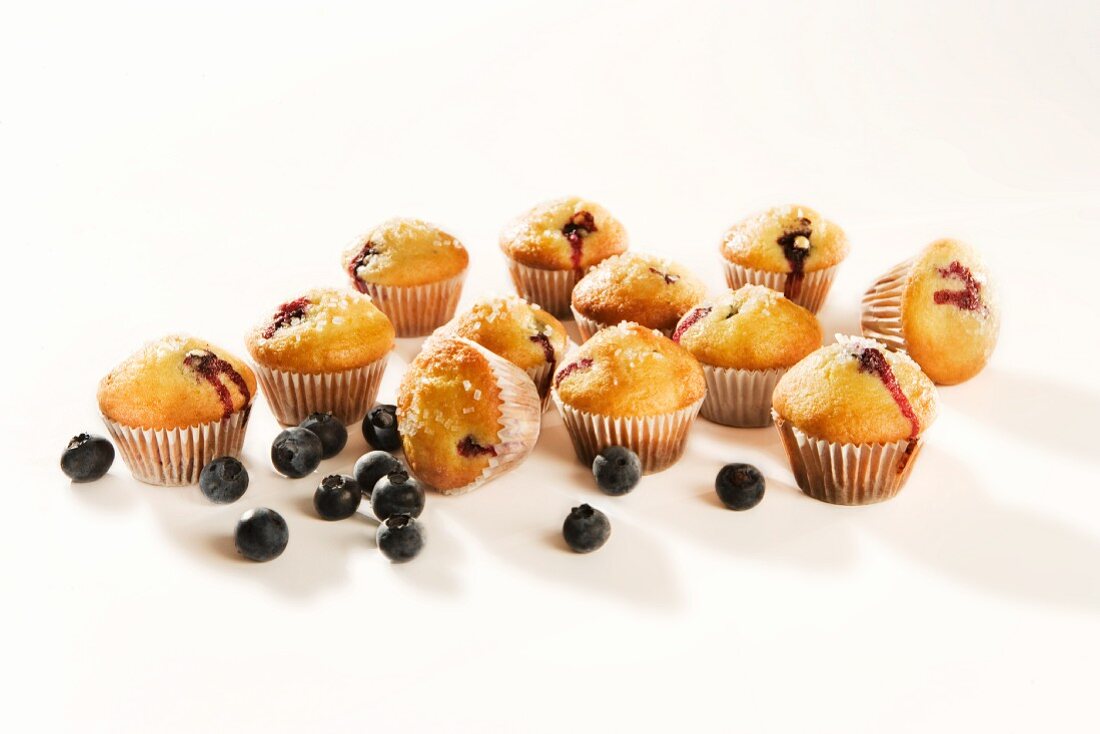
187, 168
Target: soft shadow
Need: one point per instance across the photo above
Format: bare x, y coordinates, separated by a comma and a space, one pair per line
555, 444
435, 570
111, 493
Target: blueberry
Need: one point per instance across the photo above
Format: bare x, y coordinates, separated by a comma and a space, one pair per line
400, 538
261, 534
740, 486
337, 497
373, 466
617, 470
586, 529
333, 433
87, 457
223, 480
397, 494
380, 428
296, 452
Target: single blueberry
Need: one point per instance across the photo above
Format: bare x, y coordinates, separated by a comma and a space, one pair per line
739, 486
617, 470
371, 467
87, 457
333, 433
261, 534
223, 480
296, 452
586, 529
400, 538
397, 494
337, 497
380, 428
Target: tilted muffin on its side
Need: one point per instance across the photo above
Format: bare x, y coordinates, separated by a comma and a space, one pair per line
791, 249
940, 307
630, 386
412, 270
550, 246
174, 405
323, 352
465, 415
852, 416
746, 339
644, 289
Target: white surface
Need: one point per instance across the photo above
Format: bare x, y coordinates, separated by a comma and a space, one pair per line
187, 169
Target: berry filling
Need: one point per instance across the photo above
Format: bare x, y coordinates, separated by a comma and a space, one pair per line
669, 278
581, 364
285, 316
796, 248
575, 230
368, 251
544, 341
968, 299
211, 368
872, 361
693, 317
469, 448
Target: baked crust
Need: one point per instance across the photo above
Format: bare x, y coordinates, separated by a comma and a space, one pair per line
755, 242
405, 252
537, 239
647, 290
511, 328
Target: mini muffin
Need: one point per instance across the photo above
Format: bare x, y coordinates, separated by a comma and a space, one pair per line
940, 307
174, 405
852, 416
630, 386
465, 415
323, 352
644, 289
413, 271
746, 339
791, 249
549, 248
522, 333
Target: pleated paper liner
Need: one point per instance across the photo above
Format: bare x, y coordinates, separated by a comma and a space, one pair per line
657, 440
552, 290
844, 473
808, 292
740, 398
880, 314
348, 395
588, 327
416, 310
542, 376
176, 456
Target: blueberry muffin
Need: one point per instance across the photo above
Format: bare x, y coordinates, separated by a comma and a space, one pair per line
746, 340
551, 246
940, 307
644, 289
791, 249
412, 270
174, 405
629, 386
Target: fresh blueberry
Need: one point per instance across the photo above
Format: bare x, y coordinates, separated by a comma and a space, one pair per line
617, 470
333, 433
261, 534
400, 538
223, 480
296, 452
380, 428
337, 497
586, 529
87, 457
373, 466
397, 494
740, 486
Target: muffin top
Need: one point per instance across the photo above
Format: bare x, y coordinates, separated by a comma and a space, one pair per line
563, 234
404, 252
448, 412
325, 330
176, 382
628, 370
950, 312
647, 290
857, 391
510, 327
785, 239
751, 328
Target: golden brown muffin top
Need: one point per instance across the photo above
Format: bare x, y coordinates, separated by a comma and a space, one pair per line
785, 239
857, 391
404, 252
511, 328
951, 315
751, 328
324, 330
176, 382
563, 234
628, 370
647, 290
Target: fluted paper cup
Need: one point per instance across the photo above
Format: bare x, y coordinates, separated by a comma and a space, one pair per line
175, 457
588, 327
416, 310
880, 314
550, 289
809, 293
741, 398
542, 376
845, 473
348, 395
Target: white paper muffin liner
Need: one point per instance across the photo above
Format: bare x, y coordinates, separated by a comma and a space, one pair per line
175, 456
588, 327
658, 440
552, 290
845, 473
880, 314
542, 376
740, 398
416, 310
348, 395
811, 294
